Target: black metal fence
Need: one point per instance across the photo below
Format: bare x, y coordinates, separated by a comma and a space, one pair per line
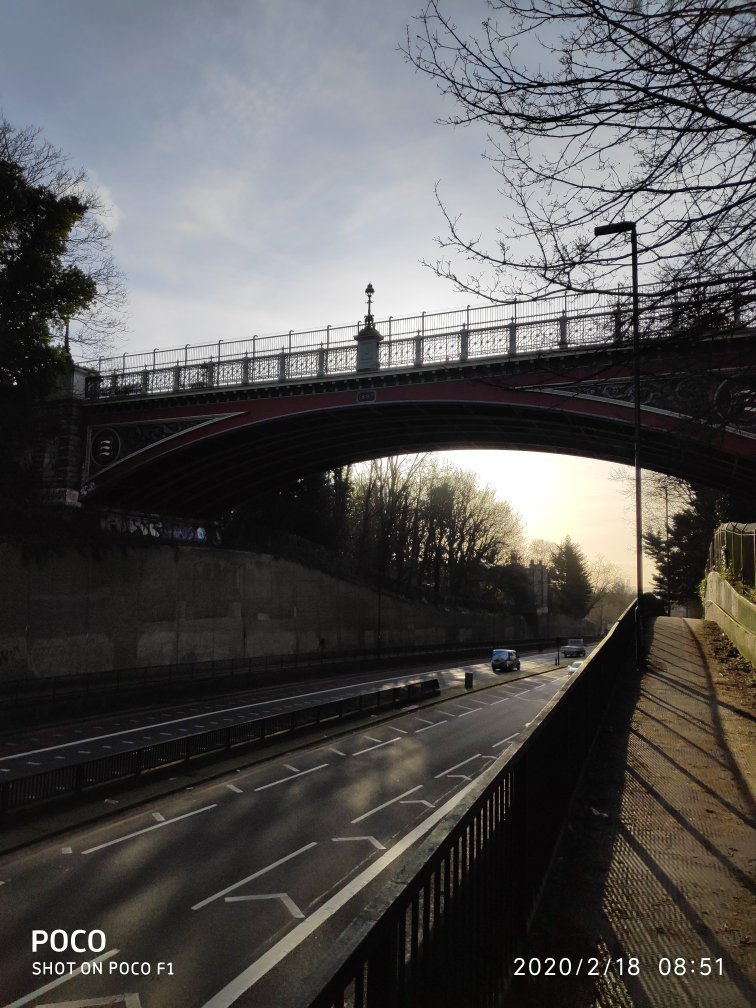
468, 893
732, 552
35, 700
68, 780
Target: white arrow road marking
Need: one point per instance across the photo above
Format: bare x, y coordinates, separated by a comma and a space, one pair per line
249, 976
457, 765
255, 875
287, 901
504, 741
386, 804
370, 839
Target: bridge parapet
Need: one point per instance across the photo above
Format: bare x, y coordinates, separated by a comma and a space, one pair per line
467, 335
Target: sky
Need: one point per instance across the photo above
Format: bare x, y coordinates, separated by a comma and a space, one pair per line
263, 161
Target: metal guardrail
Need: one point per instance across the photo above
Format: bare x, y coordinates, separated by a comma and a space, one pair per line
453, 337
449, 930
75, 778
64, 694
733, 552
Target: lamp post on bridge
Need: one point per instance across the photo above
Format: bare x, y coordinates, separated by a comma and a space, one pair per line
629, 227
368, 338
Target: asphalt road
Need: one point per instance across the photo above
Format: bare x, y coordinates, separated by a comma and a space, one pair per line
192, 899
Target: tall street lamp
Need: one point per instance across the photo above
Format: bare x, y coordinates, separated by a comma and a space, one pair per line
624, 227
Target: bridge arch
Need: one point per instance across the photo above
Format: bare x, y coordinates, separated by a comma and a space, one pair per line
203, 453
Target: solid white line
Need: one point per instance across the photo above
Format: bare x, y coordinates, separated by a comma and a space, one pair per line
291, 777
386, 804
427, 727
233, 787
257, 874
458, 765
56, 983
225, 997
147, 829
378, 746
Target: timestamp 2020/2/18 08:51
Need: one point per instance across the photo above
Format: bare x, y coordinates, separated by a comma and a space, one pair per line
679, 966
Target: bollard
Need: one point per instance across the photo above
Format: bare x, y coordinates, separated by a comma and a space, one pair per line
468, 680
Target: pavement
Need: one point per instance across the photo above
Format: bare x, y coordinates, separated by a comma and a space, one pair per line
651, 899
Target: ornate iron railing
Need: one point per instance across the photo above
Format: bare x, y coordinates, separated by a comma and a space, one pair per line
569, 321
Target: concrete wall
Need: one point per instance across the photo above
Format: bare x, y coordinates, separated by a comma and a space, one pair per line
74, 613
734, 614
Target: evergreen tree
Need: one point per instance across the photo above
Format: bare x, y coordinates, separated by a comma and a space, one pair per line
570, 580
38, 291
680, 553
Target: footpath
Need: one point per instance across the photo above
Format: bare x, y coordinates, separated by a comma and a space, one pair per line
651, 901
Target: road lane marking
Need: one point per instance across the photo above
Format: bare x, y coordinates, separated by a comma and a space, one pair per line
418, 801
371, 839
227, 710
293, 769
147, 829
287, 901
248, 977
61, 980
386, 804
377, 746
158, 817
337, 751
257, 874
504, 741
291, 777
434, 724
233, 787
458, 765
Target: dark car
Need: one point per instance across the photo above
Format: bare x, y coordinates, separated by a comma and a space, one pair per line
505, 660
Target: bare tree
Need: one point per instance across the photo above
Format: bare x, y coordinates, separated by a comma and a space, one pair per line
93, 331
597, 111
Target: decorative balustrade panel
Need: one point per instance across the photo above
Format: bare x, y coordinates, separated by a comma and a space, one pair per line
496, 330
